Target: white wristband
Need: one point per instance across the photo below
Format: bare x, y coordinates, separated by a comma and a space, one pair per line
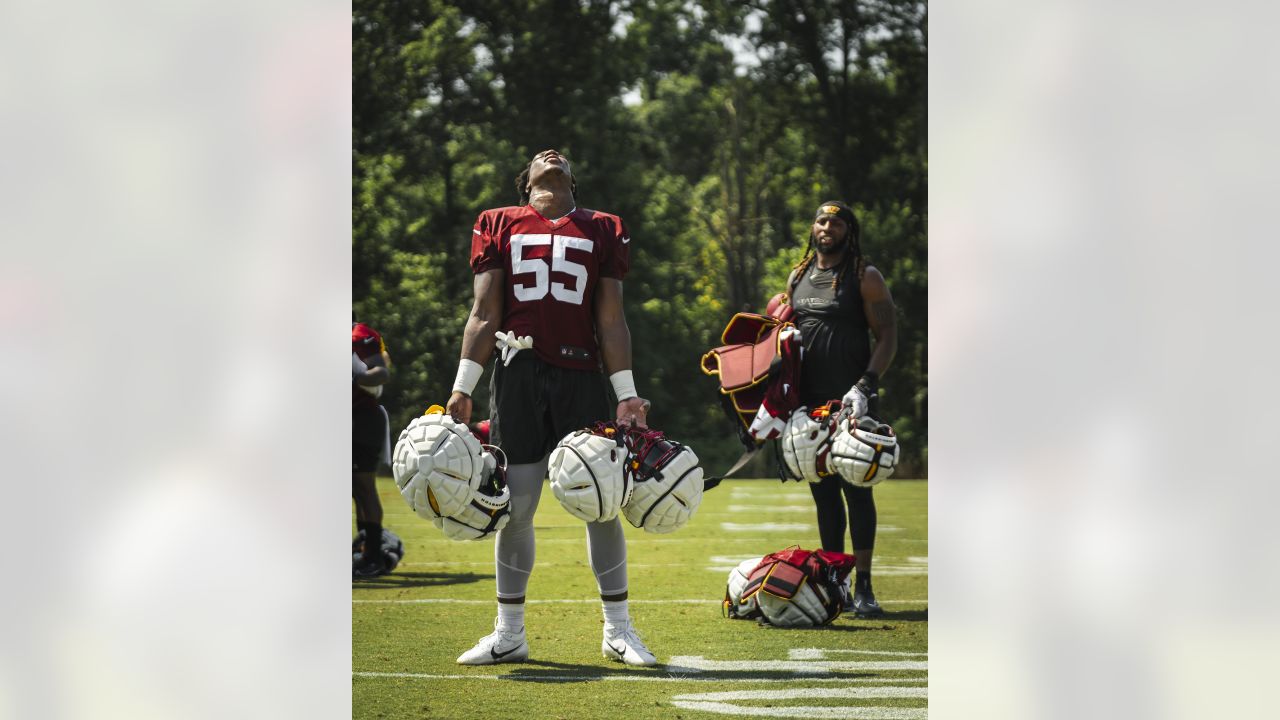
624, 385
469, 372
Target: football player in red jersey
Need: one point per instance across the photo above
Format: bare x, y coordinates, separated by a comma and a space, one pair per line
548, 289
370, 370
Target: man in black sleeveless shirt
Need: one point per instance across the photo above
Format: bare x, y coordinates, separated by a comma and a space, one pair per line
838, 297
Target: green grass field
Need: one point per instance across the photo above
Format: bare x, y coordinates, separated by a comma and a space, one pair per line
408, 627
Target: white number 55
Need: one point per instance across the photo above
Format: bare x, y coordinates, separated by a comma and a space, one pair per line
559, 263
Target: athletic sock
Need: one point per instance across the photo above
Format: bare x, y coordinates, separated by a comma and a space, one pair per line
510, 617
615, 612
372, 539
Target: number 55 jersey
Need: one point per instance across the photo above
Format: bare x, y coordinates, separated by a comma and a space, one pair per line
551, 270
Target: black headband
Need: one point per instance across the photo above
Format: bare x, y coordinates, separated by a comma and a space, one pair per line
839, 209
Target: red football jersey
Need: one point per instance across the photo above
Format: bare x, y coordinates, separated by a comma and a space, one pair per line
551, 269
365, 342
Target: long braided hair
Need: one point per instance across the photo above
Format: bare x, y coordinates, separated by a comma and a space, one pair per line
853, 252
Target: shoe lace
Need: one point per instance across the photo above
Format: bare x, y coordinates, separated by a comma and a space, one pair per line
629, 633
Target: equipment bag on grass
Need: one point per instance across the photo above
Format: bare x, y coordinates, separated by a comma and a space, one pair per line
789, 588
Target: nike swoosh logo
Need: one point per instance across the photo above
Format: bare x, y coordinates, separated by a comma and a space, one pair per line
620, 652
498, 656
625, 240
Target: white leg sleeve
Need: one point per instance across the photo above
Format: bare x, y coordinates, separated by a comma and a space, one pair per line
607, 552
513, 551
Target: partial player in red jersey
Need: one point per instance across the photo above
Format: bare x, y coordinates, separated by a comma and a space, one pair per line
548, 290
370, 439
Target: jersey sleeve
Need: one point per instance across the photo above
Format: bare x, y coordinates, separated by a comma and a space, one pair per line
365, 341
617, 254
486, 249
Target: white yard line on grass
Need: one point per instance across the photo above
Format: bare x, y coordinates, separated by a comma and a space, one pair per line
820, 653
489, 564
766, 527
698, 663
457, 601
789, 497
797, 693
807, 712
700, 678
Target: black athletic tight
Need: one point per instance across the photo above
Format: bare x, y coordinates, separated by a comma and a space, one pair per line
831, 514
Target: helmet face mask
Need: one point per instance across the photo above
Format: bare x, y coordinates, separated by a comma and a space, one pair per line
667, 482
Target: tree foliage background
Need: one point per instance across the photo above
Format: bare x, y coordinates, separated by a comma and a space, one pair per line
714, 128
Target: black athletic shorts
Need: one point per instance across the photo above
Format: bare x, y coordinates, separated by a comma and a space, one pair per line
535, 404
368, 433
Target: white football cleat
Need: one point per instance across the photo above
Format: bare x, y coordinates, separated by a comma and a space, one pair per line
500, 646
621, 642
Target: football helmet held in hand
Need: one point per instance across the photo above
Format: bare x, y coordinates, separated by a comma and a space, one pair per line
864, 451
666, 481
806, 442
437, 464
586, 471
449, 478
489, 508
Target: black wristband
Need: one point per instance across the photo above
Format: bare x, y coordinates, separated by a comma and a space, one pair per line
869, 383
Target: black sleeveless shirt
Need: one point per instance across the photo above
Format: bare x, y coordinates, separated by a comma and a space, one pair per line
834, 330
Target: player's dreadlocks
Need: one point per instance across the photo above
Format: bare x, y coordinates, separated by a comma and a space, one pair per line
522, 185
853, 238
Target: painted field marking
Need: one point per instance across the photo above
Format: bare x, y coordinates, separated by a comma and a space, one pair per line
726, 563
771, 508
765, 527
772, 495
824, 712
489, 564
698, 663
733, 560
797, 693
821, 653
456, 601
635, 677
894, 570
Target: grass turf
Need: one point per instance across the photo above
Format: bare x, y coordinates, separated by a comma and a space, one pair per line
408, 627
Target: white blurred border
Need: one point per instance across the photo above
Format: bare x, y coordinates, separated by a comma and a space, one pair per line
1102, 359
175, 208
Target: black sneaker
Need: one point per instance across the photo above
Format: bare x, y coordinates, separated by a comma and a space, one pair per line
864, 605
365, 568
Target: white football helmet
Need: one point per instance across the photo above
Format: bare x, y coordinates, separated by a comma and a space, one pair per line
586, 471
806, 442
437, 464
734, 605
807, 608
864, 451
488, 509
666, 480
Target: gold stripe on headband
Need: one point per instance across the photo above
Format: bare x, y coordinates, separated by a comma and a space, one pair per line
830, 209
